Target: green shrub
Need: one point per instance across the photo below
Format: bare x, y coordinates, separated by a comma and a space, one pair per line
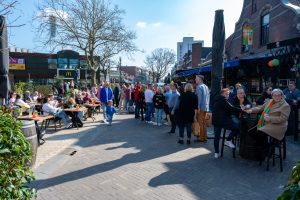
292, 189
45, 90
21, 87
15, 153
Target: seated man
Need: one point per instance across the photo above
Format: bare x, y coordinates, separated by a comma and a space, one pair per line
222, 118
48, 109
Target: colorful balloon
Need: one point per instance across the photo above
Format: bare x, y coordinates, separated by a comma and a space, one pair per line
270, 64
275, 62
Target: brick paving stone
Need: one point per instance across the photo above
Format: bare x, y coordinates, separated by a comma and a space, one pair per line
133, 160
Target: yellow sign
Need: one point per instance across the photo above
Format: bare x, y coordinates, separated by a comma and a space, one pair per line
68, 74
17, 63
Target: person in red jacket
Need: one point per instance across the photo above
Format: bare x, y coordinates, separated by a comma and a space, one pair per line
136, 100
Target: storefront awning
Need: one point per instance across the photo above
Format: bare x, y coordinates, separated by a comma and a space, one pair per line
233, 63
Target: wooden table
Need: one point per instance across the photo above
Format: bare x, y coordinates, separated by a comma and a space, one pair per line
45, 123
92, 109
72, 112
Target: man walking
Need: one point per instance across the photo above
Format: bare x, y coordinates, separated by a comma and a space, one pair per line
136, 100
203, 96
105, 94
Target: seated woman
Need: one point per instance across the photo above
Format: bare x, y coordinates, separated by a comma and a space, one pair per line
79, 99
222, 117
19, 102
48, 109
265, 96
72, 103
240, 99
274, 118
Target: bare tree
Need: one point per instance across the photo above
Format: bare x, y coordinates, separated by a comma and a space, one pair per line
159, 62
7, 6
90, 26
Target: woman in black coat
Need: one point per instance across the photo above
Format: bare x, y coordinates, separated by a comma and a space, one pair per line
187, 111
222, 118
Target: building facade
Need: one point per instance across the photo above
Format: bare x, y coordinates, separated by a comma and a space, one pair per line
185, 46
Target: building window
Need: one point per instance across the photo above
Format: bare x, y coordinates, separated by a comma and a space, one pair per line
265, 26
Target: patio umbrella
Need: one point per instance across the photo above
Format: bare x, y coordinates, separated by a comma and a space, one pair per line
218, 44
4, 60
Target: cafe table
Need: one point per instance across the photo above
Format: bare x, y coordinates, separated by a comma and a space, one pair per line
92, 109
45, 120
73, 113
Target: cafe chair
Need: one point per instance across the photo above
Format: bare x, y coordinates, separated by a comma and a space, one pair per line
234, 141
273, 145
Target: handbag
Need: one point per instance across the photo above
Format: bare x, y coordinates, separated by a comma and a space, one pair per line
208, 119
195, 128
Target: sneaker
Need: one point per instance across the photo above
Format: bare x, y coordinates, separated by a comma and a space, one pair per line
68, 125
159, 124
229, 144
217, 155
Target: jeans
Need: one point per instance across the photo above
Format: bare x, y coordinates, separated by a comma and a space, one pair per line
231, 124
188, 126
159, 113
64, 117
109, 119
137, 109
104, 110
149, 108
173, 122
80, 115
126, 104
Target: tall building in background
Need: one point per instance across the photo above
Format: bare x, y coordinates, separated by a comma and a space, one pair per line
185, 46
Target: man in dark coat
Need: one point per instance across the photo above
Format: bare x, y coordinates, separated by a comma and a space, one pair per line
222, 118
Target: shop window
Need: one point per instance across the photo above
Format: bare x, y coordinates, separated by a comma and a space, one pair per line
265, 26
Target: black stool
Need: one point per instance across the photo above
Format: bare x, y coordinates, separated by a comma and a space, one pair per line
273, 144
234, 141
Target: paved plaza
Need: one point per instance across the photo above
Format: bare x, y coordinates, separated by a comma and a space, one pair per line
132, 160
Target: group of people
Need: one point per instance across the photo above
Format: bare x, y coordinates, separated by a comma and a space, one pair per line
180, 107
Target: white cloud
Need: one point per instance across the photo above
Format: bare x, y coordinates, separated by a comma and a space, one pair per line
141, 24
156, 25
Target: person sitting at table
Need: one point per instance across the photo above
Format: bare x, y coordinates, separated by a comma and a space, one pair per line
12, 99
291, 93
27, 97
35, 96
52, 101
72, 103
79, 99
49, 109
240, 99
274, 118
86, 97
222, 114
27, 107
266, 96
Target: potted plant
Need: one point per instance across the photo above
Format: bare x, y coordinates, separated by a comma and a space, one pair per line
15, 154
292, 189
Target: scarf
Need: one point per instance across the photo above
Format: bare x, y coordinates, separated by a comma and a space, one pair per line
261, 121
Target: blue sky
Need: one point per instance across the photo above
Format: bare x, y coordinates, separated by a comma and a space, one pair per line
158, 23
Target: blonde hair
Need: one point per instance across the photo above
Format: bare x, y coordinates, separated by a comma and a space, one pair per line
188, 87
159, 90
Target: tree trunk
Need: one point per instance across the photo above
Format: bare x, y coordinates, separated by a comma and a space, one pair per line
93, 76
217, 55
104, 74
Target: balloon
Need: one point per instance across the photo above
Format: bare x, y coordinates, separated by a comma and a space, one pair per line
275, 62
270, 64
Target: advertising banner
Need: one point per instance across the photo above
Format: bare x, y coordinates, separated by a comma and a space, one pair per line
16, 64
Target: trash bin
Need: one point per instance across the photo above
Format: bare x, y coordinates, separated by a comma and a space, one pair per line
29, 130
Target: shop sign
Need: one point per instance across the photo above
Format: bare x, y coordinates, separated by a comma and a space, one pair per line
16, 63
68, 74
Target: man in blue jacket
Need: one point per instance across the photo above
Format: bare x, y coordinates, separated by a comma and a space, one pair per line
105, 94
